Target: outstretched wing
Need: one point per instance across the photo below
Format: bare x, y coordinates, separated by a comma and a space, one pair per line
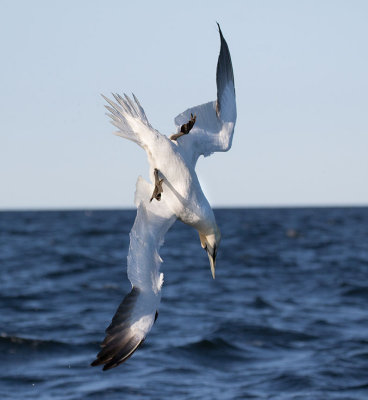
129, 117
138, 311
214, 126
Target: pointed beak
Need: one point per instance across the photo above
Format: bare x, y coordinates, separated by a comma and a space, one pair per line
212, 258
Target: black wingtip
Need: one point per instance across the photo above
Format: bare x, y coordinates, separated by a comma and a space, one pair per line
120, 342
220, 31
224, 72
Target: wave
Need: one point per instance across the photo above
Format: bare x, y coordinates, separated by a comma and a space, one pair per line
14, 342
248, 333
239, 342
358, 291
208, 349
288, 381
215, 343
100, 232
69, 258
76, 263
260, 302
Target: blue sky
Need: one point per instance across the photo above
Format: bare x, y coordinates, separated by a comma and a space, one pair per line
302, 94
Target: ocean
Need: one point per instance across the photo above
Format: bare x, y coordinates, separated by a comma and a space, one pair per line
286, 317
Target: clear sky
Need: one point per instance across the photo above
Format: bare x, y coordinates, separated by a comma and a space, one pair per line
301, 83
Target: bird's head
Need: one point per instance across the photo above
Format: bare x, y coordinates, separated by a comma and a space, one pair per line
210, 242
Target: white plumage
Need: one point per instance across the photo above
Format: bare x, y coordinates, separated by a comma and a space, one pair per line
182, 198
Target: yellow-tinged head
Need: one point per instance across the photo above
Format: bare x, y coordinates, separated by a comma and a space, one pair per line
210, 242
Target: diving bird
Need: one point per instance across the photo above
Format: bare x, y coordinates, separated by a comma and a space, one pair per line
175, 194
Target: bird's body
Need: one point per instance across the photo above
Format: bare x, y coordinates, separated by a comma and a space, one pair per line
177, 195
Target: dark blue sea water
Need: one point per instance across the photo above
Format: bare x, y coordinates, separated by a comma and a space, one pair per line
286, 317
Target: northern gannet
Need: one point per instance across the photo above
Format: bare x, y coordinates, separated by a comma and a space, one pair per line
176, 194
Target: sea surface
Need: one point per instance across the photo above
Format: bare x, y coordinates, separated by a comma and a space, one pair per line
286, 317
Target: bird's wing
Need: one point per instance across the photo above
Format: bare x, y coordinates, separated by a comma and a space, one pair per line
129, 117
138, 311
214, 126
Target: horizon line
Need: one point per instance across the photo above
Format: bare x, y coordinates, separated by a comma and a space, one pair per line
217, 207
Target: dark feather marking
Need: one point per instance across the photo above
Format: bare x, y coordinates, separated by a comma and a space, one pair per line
224, 72
117, 340
125, 309
119, 344
123, 354
120, 354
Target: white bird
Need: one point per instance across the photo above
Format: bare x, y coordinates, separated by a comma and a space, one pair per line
177, 194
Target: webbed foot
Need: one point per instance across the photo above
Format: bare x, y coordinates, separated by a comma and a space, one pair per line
185, 128
158, 187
